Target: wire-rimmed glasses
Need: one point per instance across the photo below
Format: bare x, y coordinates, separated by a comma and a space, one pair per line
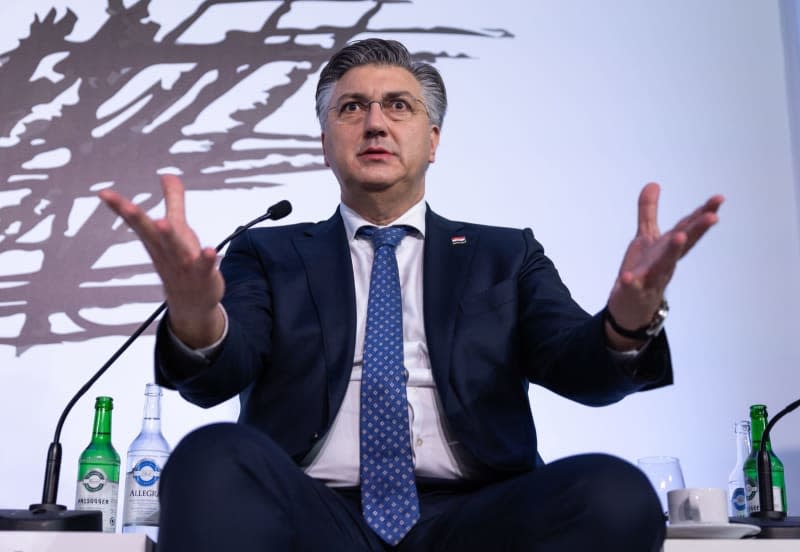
397, 107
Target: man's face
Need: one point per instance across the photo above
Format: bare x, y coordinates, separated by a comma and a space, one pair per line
375, 152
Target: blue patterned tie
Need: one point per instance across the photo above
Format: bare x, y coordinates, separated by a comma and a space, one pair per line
389, 499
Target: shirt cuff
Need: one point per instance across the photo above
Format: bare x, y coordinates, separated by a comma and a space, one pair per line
203, 353
628, 361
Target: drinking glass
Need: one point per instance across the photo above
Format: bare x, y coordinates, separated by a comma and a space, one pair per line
664, 473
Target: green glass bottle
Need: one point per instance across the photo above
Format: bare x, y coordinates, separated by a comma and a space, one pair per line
758, 423
98, 469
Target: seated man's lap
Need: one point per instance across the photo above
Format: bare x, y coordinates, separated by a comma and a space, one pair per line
236, 489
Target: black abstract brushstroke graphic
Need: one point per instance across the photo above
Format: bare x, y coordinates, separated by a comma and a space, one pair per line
123, 148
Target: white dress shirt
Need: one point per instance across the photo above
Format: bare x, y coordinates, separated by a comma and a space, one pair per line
335, 459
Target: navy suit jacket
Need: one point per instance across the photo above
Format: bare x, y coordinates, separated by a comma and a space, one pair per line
497, 317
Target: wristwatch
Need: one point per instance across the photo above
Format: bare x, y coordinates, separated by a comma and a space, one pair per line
652, 329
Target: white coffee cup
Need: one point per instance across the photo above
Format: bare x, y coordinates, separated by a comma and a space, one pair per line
697, 505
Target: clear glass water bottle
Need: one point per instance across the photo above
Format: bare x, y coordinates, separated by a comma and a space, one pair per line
98, 468
146, 458
737, 499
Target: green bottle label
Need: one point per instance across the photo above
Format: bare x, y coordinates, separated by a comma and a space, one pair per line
753, 503
97, 492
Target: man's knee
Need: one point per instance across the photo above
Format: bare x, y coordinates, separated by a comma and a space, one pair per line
595, 499
612, 485
204, 449
223, 452
622, 504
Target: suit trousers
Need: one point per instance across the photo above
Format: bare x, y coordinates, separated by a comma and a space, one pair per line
230, 487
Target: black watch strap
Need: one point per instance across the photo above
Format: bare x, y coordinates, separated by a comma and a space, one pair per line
645, 332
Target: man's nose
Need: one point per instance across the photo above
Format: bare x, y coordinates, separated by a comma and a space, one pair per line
375, 120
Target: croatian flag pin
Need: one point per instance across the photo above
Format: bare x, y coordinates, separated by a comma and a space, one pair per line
458, 240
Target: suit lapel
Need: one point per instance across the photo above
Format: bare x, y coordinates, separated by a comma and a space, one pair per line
326, 257
329, 270
449, 248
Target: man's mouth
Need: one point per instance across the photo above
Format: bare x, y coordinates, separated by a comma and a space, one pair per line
375, 153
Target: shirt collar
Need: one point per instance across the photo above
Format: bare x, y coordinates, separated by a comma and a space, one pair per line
414, 217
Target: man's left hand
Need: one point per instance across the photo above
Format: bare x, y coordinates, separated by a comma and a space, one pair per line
650, 261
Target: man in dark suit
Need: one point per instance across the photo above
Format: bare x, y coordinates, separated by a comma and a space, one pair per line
299, 323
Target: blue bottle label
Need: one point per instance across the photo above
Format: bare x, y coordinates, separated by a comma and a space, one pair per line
146, 473
141, 493
739, 501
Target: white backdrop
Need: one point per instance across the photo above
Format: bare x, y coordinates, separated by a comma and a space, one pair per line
556, 128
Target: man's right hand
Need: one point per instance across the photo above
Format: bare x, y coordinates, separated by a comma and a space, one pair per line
192, 282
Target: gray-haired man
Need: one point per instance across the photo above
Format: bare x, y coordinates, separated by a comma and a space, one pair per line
383, 356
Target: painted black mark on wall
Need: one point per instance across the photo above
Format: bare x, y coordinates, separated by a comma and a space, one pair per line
120, 107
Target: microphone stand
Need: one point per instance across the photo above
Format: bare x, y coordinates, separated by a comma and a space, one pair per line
774, 524
51, 516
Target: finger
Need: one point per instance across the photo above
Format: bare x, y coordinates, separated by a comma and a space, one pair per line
174, 198
627, 278
648, 210
662, 266
712, 205
113, 200
698, 229
131, 213
183, 247
696, 224
208, 260
157, 236
656, 264
197, 267
138, 221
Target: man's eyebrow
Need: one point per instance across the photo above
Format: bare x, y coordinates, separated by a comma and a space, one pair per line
395, 94
363, 97
351, 96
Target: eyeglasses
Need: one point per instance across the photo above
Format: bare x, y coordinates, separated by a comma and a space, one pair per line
352, 110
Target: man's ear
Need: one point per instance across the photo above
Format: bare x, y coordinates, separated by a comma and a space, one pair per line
435, 132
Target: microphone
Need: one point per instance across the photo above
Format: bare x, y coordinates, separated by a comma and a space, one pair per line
50, 516
277, 211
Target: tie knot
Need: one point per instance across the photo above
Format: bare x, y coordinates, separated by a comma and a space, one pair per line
391, 235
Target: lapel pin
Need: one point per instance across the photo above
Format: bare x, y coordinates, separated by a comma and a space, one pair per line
458, 240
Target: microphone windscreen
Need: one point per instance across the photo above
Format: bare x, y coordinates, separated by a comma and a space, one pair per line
280, 210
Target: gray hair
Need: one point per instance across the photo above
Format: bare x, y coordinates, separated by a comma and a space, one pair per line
382, 52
